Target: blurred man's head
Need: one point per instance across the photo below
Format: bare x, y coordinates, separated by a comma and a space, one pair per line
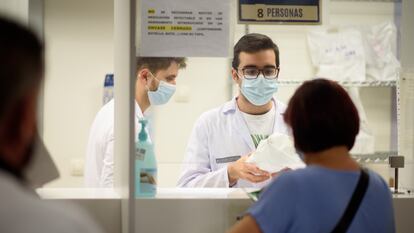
156, 77
21, 72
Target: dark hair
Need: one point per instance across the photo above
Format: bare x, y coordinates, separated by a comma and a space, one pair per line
322, 115
21, 62
155, 64
253, 43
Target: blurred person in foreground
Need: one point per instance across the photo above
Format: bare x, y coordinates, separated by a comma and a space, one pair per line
21, 74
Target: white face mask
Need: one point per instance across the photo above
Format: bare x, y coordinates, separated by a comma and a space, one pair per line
162, 95
258, 91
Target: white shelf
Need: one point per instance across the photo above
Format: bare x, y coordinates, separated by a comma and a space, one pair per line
378, 155
345, 83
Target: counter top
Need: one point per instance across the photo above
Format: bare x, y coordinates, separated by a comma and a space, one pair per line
162, 193
77, 193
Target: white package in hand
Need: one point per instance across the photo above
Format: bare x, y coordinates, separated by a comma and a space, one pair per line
276, 153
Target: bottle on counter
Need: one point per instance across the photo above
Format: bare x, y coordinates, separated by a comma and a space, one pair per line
145, 164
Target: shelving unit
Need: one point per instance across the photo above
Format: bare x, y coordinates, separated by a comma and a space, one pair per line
366, 0
392, 83
379, 155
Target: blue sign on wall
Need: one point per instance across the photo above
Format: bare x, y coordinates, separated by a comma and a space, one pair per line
280, 11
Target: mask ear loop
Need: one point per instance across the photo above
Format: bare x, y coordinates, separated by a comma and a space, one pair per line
238, 76
153, 76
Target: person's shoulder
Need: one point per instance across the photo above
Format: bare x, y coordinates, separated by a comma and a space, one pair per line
104, 119
107, 111
288, 179
295, 179
66, 216
216, 113
37, 215
377, 181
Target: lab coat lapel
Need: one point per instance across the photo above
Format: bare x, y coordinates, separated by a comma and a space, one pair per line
277, 116
240, 125
138, 112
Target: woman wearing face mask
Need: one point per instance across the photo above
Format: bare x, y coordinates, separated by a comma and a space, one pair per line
333, 193
155, 85
223, 138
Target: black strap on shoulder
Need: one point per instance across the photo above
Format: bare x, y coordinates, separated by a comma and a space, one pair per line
353, 205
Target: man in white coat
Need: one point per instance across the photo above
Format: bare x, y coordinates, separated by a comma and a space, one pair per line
21, 74
155, 85
223, 138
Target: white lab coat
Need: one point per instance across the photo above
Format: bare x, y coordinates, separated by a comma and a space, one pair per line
99, 166
221, 136
23, 211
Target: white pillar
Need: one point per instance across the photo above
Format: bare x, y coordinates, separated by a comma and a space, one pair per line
407, 62
124, 72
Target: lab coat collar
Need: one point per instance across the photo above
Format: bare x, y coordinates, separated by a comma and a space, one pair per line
138, 112
231, 106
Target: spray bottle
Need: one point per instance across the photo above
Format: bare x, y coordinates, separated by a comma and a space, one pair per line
145, 164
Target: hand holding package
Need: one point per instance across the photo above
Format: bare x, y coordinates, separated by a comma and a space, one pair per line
276, 153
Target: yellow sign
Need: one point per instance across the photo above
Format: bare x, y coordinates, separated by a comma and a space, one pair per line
169, 28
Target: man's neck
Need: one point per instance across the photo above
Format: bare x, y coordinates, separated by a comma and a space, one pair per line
335, 158
142, 101
247, 107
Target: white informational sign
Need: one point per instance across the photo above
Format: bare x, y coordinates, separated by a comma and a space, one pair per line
183, 28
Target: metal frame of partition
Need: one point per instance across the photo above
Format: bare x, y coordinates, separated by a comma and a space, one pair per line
124, 71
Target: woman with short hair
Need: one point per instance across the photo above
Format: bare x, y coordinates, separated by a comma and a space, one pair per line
333, 193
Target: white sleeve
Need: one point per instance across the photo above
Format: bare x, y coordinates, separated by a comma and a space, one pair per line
107, 175
197, 168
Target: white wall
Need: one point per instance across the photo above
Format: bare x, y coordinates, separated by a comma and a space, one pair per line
15, 9
79, 52
79, 37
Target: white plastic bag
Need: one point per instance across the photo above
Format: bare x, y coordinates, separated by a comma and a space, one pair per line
276, 153
339, 55
380, 42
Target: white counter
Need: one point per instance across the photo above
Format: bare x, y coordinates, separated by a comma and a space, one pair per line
77, 193
162, 193
186, 210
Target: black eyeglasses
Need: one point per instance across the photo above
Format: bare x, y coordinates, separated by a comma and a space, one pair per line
253, 72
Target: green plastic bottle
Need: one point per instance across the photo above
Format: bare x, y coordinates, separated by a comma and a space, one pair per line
145, 164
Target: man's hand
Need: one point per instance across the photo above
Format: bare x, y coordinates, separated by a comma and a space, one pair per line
246, 171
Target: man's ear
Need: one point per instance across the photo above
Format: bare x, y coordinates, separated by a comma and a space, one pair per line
234, 75
142, 75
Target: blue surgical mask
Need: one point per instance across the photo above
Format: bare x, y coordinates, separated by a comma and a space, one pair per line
161, 96
258, 91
